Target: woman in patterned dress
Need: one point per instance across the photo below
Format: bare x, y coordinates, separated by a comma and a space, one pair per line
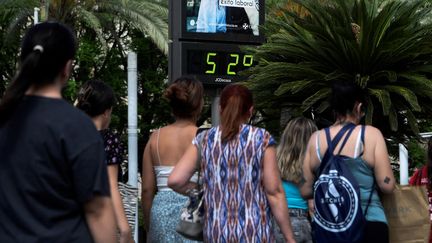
241, 181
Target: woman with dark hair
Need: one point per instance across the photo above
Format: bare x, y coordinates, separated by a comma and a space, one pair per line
161, 205
53, 181
97, 99
423, 176
241, 181
365, 155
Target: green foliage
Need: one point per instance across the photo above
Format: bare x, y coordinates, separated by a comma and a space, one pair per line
382, 45
104, 39
150, 17
8, 51
417, 154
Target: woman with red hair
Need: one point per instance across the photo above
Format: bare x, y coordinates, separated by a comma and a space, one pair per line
240, 176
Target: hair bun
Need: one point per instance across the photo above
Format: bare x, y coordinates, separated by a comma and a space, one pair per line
84, 106
176, 93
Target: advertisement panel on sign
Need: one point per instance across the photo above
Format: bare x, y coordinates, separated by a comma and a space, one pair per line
218, 20
223, 16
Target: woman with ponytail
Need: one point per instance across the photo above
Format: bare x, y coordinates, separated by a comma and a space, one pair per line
53, 180
97, 99
241, 181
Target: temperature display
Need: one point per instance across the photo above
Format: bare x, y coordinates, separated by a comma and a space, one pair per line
218, 63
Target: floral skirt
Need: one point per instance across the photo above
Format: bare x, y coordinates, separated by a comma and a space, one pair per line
164, 217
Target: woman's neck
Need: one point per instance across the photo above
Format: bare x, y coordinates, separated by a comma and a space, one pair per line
184, 122
98, 123
49, 91
343, 120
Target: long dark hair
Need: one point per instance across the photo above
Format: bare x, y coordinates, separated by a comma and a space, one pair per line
95, 97
235, 102
45, 50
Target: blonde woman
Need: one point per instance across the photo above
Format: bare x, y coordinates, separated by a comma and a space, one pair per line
290, 154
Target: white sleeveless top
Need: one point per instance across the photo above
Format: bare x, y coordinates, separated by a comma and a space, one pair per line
162, 172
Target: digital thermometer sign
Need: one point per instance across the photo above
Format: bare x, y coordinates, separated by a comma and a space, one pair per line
217, 63
211, 63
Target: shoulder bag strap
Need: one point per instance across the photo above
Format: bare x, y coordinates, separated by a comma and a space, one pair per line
199, 147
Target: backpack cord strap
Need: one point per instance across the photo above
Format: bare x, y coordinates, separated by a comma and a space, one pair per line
370, 197
351, 129
332, 143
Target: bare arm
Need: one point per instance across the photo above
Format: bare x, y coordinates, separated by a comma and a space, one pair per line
122, 223
275, 193
184, 170
382, 168
148, 184
308, 175
311, 207
100, 218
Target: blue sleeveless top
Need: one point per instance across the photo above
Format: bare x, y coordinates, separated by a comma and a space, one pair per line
293, 196
364, 175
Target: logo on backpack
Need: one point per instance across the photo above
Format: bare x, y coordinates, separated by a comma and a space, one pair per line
338, 193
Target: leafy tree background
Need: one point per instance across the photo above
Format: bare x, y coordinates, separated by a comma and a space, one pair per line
107, 30
105, 34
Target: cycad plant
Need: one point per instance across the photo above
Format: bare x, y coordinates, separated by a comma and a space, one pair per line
385, 46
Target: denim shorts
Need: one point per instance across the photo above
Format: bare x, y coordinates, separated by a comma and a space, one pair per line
300, 225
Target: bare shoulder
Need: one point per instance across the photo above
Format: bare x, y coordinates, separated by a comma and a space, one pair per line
313, 138
372, 133
153, 136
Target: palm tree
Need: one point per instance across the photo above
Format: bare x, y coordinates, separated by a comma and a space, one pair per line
148, 16
385, 46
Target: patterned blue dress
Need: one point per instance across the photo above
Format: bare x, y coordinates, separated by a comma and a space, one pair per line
236, 206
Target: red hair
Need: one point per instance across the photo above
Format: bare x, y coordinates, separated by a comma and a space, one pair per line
235, 101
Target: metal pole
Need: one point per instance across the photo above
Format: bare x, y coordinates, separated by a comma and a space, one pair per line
132, 119
36, 15
403, 165
133, 128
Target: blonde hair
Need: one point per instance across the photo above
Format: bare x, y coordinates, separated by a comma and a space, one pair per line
292, 148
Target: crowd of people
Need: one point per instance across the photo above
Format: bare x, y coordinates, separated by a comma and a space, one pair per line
60, 164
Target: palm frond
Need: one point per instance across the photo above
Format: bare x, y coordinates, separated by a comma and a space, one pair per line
321, 94
92, 21
150, 17
407, 94
384, 98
